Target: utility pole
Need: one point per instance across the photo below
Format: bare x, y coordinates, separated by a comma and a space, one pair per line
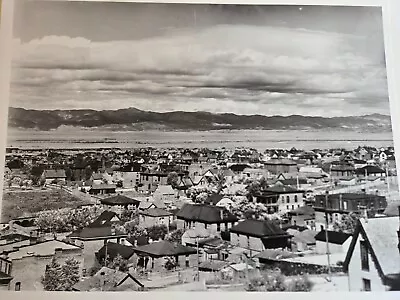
198, 259
105, 256
326, 235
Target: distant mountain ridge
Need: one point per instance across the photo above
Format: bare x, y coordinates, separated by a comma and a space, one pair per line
135, 119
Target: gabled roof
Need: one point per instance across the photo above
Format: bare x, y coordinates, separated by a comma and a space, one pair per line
45, 248
113, 279
113, 250
120, 200
334, 237
382, 240
104, 220
293, 181
205, 214
164, 248
258, 228
214, 198
54, 174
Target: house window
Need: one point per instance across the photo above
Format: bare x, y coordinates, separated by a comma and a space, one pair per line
287, 207
292, 207
364, 256
295, 198
18, 286
366, 285
287, 199
218, 227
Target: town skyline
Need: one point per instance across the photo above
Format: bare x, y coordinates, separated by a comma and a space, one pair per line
212, 58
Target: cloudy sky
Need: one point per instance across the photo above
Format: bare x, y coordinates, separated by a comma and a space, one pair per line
270, 60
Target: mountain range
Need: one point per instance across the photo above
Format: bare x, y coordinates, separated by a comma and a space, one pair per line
135, 119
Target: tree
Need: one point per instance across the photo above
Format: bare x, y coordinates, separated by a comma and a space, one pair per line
128, 215
275, 281
348, 223
51, 278
70, 274
157, 232
175, 236
119, 263
61, 278
173, 179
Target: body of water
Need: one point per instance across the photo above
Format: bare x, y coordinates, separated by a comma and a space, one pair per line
258, 139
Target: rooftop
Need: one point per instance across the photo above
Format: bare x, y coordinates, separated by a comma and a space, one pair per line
258, 228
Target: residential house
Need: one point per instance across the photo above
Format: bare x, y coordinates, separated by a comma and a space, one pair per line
372, 262
371, 170
92, 239
106, 218
332, 241
154, 216
198, 169
111, 250
347, 181
54, 176
205, 216
213, 199
107, 279
341, 170
289, 198
303, 216
97, 178
152, 256
255, 173
277, 166
298, 182
149, 181
5, 275
165, 194
38, 255
119, 203
258, 235
102, 189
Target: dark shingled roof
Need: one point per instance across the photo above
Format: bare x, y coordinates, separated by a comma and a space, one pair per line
155, 212
94, 233
113, 249
104, 220
258, 228
370, 170
282, 189
164, 248
120, 200
334, 237
205, 214
214, 198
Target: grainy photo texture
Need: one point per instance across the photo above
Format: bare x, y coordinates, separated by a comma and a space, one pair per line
188, 147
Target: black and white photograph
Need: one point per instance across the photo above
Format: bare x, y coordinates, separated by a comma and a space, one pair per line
199, 147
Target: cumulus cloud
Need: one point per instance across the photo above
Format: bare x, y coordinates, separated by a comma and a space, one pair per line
239, 69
